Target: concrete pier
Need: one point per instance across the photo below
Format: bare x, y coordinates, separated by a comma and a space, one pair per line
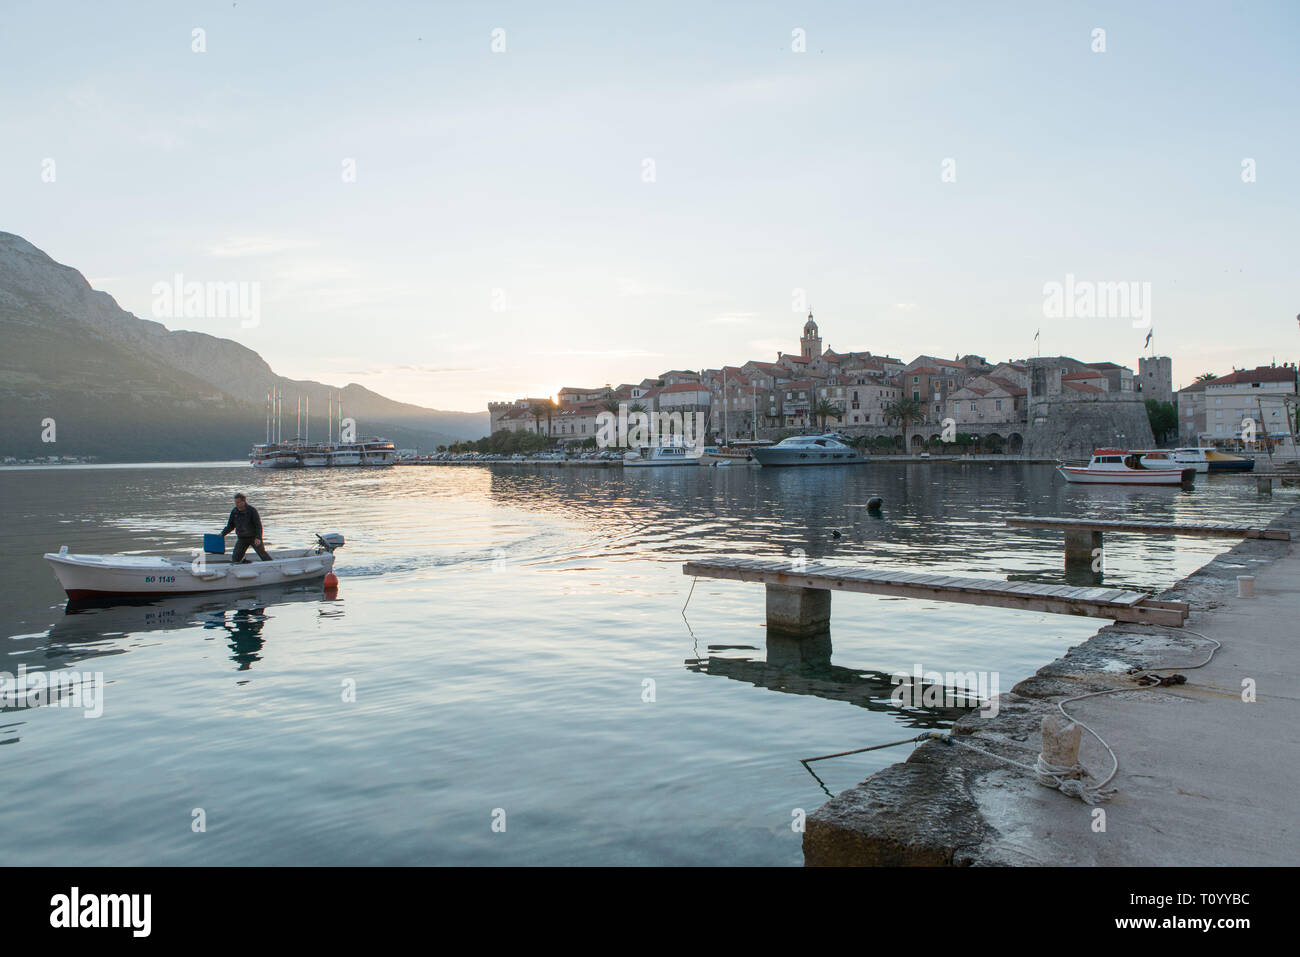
1208, 769
1079, 547
798, 612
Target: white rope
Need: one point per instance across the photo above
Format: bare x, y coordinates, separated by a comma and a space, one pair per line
1072, 780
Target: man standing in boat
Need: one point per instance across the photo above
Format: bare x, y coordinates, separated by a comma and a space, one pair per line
247, 526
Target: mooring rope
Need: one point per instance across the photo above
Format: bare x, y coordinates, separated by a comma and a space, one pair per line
1068, 780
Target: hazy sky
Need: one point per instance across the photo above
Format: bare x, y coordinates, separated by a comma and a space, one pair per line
505, 235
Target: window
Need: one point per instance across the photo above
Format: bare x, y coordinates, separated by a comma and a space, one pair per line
997, 404
916, 379
972, 406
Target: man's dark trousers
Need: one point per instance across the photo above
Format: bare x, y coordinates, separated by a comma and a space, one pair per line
244, 544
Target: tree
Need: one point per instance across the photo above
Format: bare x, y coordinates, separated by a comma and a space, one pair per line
826, 409
539, 411
904, 412
1206, 377
1163, 418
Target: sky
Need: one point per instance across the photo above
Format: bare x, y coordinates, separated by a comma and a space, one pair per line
457, 203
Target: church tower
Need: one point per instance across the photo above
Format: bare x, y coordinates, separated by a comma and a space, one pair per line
811, 342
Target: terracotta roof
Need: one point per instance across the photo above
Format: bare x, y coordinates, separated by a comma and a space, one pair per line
683, 387
1259, 374
1082, 375
1007, 385
1082, 387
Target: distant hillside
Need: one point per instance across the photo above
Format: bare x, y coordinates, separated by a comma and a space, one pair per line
129, 389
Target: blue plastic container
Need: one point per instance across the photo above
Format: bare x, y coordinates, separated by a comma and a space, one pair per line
214, 544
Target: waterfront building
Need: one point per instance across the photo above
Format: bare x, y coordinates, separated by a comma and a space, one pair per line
986, 400
1254, 395
759, 396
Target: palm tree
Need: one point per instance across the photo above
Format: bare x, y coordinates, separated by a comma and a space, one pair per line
540, 410
904, 412
825, 409
1206, 377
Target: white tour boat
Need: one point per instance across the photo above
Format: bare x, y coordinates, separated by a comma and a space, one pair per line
273, 457
345, 455
1117, 467
133, 576
314, 456
378, 452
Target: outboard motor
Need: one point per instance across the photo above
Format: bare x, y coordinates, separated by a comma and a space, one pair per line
330, 541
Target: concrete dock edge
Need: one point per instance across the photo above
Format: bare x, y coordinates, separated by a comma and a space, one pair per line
1207, 777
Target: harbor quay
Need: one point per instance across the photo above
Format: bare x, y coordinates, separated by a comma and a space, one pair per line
1200, 721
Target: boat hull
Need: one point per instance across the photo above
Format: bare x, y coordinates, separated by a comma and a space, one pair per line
118, 576
1083, 476
792, 457
661, 463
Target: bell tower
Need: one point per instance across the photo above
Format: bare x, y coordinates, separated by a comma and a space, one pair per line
811, 342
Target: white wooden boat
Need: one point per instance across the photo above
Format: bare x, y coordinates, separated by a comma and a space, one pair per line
1117, 467
662, 455
737, 453
125, 576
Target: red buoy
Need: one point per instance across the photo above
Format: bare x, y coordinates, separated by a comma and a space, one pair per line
331, 581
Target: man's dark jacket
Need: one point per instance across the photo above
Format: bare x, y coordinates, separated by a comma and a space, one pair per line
247, 524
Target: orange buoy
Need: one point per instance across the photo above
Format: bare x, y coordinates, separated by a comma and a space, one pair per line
331, 582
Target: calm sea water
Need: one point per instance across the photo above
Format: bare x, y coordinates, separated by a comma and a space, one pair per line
503, 628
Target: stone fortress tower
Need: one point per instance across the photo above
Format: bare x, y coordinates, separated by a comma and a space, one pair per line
1156, 378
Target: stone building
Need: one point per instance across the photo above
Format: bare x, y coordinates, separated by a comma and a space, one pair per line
1155, 378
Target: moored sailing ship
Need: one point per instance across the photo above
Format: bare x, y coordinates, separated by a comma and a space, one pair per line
299, 452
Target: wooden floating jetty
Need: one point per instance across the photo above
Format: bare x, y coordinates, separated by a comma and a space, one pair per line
1083, 536
799, 595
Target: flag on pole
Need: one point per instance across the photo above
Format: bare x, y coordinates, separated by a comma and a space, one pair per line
1040, 330
1148, 342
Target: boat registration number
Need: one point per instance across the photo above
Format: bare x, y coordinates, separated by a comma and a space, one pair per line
163, 579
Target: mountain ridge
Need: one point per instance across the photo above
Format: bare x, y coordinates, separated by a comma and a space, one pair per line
72, 349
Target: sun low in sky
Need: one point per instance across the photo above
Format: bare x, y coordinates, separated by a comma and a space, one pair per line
453, 204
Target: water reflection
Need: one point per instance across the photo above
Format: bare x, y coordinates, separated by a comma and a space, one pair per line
93, 628
802, 666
